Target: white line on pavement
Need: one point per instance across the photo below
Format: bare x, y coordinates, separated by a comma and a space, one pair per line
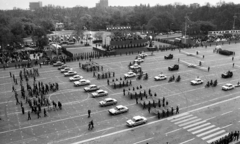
187, 141
172, 131
226, 113
143, 140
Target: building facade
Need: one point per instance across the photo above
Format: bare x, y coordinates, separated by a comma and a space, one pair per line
35, 5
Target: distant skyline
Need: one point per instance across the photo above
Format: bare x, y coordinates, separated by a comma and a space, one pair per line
24, 4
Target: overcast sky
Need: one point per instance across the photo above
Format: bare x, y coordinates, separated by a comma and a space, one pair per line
24, 4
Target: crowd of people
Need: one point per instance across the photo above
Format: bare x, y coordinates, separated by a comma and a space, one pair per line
35, 95
231, 137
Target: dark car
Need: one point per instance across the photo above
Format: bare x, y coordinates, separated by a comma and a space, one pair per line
170, 56
174, 67
228, 74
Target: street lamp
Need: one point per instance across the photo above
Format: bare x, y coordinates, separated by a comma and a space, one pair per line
234, 20
186, 19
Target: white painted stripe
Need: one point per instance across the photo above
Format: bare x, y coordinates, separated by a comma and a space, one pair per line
217, 138
177, 116
143, 141
172, 131
207, 132
194, 124
226, 113
212, 135
181, 118
185, 120
226, 126
206, 128
187, 123
187, 141
192, 129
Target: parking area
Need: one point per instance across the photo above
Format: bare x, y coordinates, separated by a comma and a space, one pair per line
210, 106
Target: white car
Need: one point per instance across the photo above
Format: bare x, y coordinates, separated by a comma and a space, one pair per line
70, 73
228, 86
139, 60
118, 109
197, 81
130, 74
99, 93
81, 82
192, 65
58, 63
136, 120
92, 87
62, 67
135, 66
143, 55
160, 77
108, 101
75, 78
66, 69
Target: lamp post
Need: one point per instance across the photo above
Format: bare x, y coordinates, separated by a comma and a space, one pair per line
186, 19
234, 20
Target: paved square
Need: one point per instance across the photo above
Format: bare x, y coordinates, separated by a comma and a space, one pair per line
206, 114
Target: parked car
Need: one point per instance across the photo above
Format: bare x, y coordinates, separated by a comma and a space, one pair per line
170, 56
90, 88
99, 93
197, 81
118, 109
227, 87
108, 101
135, 66
160, 77
62, 67
174, 67
136, 120
228, 74
75, 78
81, 82
66, 69
139, 60
70, 73
130, 74
58, 63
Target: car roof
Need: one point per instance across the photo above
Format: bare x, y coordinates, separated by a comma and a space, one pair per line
228, 84
83, 80
76, 76
100, 90
137, 117
119, 106
92, 85
107, 99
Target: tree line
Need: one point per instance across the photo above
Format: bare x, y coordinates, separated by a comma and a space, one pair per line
17, 24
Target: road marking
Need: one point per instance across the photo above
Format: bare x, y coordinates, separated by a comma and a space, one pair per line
143, 140
226, 113
217, 138
181, 118
192, 129
194, 124
182, 121
187, 141
209, 136
226, 126
121, 131
172, 131
207, 132
196, 120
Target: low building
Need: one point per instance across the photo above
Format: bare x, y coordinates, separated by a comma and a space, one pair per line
59, 26
112, 28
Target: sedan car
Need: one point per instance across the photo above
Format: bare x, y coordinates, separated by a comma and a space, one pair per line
135, 66
62, 67
92, 87
197, 81
143, 55
75, 78
99, 93
118, 109
130, 74
70, 73
58, 63
139, 60
227, 87
81, 82
160, 77
66, 69
108, 101
136, 120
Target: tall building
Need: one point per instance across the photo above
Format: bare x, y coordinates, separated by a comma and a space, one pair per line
35, 5
102, 4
